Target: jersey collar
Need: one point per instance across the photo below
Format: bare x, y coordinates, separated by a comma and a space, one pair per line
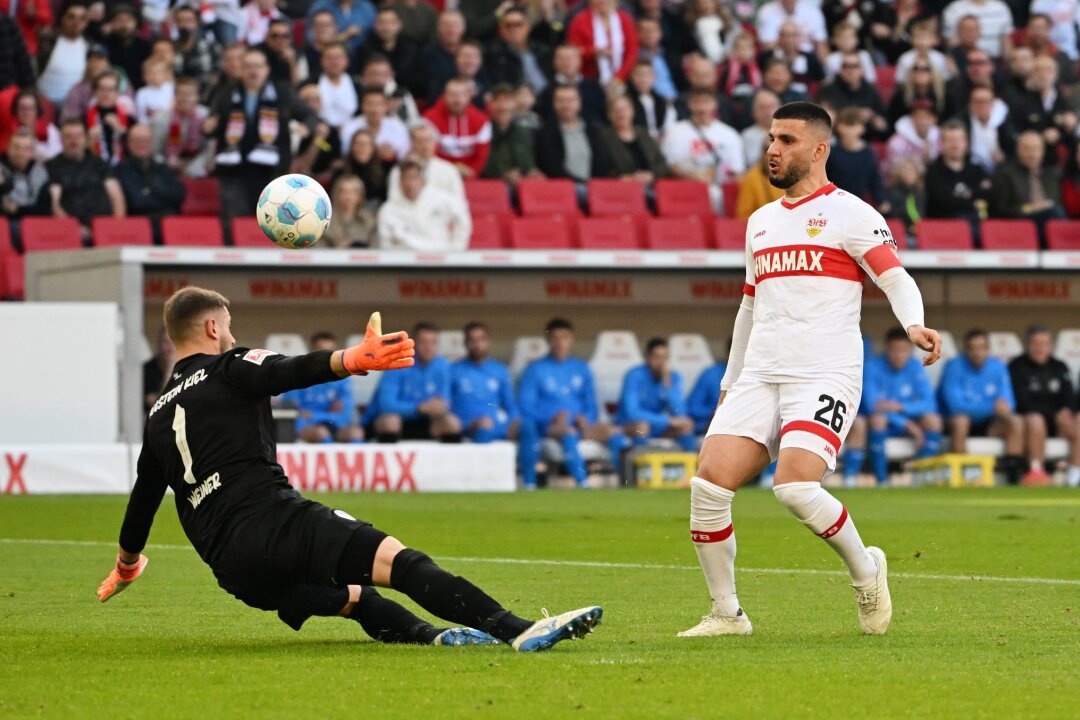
823, 190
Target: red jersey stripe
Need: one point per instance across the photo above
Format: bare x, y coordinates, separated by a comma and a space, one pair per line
815, 429
748, 289
882, 258
823, 190
811, 260
705, 536
835, 527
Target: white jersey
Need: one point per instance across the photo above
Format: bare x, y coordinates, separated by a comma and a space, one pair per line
805, 264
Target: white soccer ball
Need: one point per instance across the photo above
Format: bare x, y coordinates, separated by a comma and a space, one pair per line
293, 211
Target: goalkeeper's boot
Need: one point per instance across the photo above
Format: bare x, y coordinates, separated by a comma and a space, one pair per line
460, 636
873, 599
718, 623
546, 633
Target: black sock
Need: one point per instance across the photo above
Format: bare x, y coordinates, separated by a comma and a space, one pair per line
304, 601
450, 438
386, 621
451, 597
385, 437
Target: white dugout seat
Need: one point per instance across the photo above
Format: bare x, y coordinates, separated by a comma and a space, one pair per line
286, 343
948, 352
452, 344
690, 356
616, 352
1005, 346
1067, 349
526, 349
363, 386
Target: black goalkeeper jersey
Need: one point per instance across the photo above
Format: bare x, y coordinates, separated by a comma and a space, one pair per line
209, 437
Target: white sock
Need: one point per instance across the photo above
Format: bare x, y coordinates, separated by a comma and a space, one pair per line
714, 540
1072, 476
827, 518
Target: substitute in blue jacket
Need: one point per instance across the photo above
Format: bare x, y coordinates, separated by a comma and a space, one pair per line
557, 398
977, 398
900, 400
481, 392
327, 412
701, 405
414, 403
652, 403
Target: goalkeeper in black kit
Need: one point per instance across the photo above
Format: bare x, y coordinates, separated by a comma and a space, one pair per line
209, 438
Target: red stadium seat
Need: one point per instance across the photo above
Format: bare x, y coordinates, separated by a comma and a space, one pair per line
203, 197
945, 235
487, 196
886, 82
191, 232
731, 197
12, 269
548, 197
49, 233
608, 233
115, 232
487, 232
540, 233
1063, 234
1009, 235
682, 198
729, 233
899, 231
676, 233
610, 198
246, 233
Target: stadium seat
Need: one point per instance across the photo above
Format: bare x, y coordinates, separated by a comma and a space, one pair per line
608, 198
945, 235
682, 198
540, 233
729, 234
1005, 345
948, 352
1009, 235
246, 233
191, 232
452, 344
286, 343
526, 349
548, 197
1067, 349
487, 196
676, 233
899, 231
615, 353
730, 192
12, 270
608, 233
487, 232
363, 386
1063, 234
690, 356
114, 232
49, 233
203, 197
886, 82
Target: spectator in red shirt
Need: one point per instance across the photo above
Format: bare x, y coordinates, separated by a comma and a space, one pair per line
608, 41
464, 131
32, 16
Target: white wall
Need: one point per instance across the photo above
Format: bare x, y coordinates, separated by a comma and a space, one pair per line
58, 372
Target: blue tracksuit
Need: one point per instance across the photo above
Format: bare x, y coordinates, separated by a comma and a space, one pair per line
402, 391
701, 405
548, 387
971, 391
910, 386
318, 399
479, 390
644, 398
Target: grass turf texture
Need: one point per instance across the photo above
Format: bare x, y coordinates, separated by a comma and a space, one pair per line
175, 645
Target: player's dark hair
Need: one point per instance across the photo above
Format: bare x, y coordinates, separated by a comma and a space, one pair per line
1036, 329
701, 93
558, 324
975, 333
321, 335
503, 90
474, 325
896, 333
187, 306
808, 112
377, 59
372, 90
424, 326
654, 343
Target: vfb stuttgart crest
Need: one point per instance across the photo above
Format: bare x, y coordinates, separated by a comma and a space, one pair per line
815, 225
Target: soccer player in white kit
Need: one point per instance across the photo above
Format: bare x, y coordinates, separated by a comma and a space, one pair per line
794, 374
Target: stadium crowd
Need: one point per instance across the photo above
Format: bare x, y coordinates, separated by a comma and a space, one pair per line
963, 109
475, 398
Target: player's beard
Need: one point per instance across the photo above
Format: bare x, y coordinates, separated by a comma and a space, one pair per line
796, 171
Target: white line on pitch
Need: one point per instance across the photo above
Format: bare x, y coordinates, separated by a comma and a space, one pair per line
617, 565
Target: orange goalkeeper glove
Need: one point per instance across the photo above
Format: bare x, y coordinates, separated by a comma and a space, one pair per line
378, 351
121, 576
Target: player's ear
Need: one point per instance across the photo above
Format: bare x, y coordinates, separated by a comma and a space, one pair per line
210, 327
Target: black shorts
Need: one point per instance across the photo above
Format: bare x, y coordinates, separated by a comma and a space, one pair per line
297, 542
982, 427
419, 428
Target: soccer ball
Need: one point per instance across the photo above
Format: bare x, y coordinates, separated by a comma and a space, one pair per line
293, 211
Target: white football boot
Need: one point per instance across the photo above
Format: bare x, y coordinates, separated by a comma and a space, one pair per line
873, 599
717, 623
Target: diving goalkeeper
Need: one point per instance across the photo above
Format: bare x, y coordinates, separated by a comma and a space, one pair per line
209, 438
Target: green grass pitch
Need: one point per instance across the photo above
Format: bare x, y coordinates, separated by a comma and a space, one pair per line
175, 645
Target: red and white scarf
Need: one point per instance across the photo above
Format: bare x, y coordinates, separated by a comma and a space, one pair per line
184, 139
109, 152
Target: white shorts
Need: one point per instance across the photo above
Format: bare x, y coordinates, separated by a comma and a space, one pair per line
814, 415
